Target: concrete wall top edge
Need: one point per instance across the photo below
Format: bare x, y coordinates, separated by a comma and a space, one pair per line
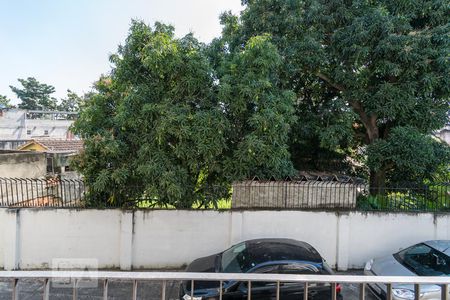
147, 211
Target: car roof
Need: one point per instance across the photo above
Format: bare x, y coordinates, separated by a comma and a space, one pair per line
275, 249
440, 245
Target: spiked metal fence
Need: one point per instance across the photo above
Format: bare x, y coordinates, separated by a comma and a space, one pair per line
314, 194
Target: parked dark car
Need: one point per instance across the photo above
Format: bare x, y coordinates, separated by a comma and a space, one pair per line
282, 256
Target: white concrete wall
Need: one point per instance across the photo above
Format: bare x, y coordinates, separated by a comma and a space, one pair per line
13, 125
317, 228
2, 236
9, 245
32, 238
169, 239
23, 165
48, 234
56, 129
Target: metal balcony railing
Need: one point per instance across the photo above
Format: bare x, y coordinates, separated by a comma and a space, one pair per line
164, 277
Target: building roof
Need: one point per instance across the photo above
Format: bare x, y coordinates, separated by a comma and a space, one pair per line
54, 145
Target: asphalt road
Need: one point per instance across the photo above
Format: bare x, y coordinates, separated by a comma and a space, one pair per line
33, 290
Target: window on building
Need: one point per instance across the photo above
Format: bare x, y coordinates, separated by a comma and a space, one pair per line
45, 132
50, 168
28, 132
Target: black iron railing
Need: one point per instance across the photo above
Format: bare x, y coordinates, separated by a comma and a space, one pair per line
301, 194
54, 192
408, 196
302, 285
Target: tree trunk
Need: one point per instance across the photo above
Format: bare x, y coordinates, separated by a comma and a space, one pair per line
377, 182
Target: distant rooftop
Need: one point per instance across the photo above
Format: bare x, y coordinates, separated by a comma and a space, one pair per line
56, 145
38, 114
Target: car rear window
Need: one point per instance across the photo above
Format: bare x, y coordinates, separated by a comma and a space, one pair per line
245, 256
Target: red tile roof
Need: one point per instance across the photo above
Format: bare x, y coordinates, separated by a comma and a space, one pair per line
58, 145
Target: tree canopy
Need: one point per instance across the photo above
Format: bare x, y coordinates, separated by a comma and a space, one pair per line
72, 102
367, 74
35, 95
162, 124
177, 120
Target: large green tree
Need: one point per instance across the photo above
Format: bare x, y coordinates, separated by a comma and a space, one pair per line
368, 75
163, 124
35, 95
259, 113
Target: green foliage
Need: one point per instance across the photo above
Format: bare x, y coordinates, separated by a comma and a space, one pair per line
322, 130
287, 80
259, 112
221, 204
415, 155
361, 71
72, 102
5, 102
35, 95
430, 198
162, 125
442, 174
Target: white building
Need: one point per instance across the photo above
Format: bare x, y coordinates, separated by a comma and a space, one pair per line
444, 134
19, 126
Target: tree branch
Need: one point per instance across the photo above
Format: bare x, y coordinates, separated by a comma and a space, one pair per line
388, 166
330, 82
369, 122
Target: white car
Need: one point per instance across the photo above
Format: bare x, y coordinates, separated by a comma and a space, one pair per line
431, 258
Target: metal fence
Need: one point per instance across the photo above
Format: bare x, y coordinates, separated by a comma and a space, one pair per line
53, 192
223, 280
296, 194
336, 195
316, 194
434, 197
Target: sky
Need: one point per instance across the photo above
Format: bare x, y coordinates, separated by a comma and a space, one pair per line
66, 43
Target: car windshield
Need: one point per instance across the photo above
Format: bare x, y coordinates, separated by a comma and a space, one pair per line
424, 261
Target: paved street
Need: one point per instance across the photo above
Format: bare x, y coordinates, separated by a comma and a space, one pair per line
33, 289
